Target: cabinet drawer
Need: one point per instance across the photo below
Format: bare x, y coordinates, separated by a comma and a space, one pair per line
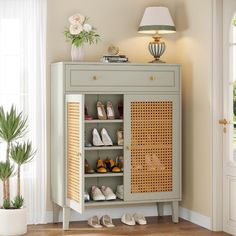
111, 78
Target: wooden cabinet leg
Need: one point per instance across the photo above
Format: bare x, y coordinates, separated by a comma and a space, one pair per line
160, 208
56, 212
66, 218
175, 211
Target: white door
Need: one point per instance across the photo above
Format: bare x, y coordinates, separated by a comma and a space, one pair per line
229, 121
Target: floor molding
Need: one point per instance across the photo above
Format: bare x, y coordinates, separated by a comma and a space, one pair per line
196, 218
147, 210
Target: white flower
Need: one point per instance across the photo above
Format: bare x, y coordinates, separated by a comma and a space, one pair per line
77, 19
87, 27
75, 29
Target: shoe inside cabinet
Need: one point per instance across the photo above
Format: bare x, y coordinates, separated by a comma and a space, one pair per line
104, 106
104, 144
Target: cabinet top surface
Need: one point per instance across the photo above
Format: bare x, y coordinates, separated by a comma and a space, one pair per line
112, 64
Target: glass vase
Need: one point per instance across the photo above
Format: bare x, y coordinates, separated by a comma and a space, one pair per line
77, 53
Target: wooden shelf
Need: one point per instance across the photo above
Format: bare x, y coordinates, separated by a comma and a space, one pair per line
103, 148
100, 175
104, 203
95, 121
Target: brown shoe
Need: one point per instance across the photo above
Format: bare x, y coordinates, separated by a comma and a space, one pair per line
111, 166
88, 168
101, 111
101, 166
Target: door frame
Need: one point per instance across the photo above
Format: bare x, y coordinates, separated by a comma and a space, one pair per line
217, 114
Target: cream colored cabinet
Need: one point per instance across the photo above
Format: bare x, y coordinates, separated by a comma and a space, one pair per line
151, 100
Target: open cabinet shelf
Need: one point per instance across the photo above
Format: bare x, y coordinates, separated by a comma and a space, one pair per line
104, 203
102, 175
96, 121
103, 148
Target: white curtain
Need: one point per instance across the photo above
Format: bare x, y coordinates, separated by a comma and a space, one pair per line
22, 83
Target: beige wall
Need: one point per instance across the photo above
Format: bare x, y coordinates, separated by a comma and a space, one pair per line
117, 22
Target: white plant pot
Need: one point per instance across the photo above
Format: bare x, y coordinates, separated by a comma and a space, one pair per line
13, 222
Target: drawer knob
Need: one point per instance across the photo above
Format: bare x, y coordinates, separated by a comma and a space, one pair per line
95, 77
152, 78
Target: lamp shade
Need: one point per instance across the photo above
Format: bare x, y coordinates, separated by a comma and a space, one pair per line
157, 20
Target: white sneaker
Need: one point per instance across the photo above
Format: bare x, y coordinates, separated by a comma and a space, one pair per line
108, 193
96, 138
139, 219
120, 191
127, 219
106, 138
96, 194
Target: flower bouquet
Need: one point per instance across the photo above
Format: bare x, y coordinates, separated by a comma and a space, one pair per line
80, 32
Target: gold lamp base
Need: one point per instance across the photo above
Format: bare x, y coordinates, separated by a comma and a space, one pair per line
157, 48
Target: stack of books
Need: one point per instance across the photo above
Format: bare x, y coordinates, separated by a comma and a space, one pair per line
114, 58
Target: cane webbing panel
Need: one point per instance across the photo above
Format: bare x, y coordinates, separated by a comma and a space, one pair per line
151, 146
73, 150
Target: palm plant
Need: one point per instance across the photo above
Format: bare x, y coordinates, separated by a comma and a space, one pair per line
21, 154
13, 127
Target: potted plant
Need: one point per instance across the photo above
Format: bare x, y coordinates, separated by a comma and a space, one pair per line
13, 127
79, 33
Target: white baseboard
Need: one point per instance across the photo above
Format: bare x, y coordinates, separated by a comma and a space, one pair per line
147, 210
196, 218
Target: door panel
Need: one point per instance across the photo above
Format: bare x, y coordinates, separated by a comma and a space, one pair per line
152, 141
229, 109
74, 152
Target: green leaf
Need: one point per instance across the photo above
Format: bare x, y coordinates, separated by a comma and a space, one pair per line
6, 204
6, 170
18, 202
12, 125
83, 37
22, 153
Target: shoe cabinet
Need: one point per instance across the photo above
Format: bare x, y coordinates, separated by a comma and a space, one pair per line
151, 98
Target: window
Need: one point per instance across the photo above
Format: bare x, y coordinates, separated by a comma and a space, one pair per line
22, 83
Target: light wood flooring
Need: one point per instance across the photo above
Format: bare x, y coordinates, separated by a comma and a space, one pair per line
161, 226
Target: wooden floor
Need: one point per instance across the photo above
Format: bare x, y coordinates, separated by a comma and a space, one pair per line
161, 226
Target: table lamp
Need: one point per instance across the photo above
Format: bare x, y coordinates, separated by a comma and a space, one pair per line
157, 21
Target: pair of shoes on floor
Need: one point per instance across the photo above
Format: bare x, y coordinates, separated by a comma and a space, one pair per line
104, 115
104, 141
136, 218
120, 191
105, 221
102, 194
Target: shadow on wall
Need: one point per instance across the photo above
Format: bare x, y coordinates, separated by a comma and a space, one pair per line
181, 17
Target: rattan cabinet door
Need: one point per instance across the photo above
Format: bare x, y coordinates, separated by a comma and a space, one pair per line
152, 147
74, 152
